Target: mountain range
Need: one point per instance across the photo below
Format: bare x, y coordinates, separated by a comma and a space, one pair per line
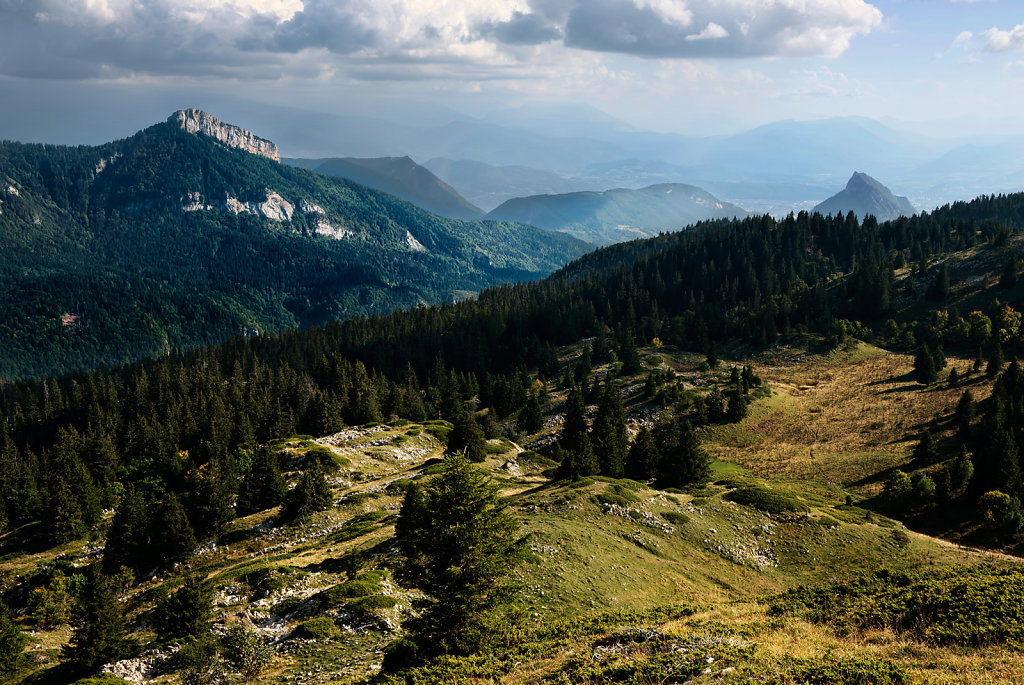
621, 214
191, 231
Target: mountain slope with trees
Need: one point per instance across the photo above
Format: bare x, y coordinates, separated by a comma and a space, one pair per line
169, 239
399, 176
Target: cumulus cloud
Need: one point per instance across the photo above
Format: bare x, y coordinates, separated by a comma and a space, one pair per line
720, 28
279, 38
1004, 41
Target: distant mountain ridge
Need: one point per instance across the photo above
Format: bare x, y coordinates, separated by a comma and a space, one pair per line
619, 214
399, 176
864, 195
190, 231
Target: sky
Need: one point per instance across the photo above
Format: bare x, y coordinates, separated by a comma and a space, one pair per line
81, 70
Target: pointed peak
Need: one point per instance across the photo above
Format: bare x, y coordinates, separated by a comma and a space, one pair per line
197, 121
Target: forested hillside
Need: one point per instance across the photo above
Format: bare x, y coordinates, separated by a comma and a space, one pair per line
168, 239
609, 368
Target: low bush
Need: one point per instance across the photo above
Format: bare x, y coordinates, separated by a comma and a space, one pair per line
320, 628
676, 518
974, 606
858, 671
372, 603
766, 500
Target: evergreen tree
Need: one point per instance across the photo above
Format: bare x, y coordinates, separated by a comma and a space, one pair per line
965, 414
609, 433
736, 410
459, 546
1010, 273
531, 418
574, 427
642, 462
128, 539
263, 487
943, 486
926, 451
100, 635
924, 366
467, 436
177, 539
188, 611
209, 502
630, 357
311, 494
995, 362
12, 642
684, 463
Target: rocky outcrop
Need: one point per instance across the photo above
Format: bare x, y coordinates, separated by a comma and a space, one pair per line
198, 121
274, 207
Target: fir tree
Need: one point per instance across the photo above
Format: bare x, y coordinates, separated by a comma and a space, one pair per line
995, 361
468, 437
531, 418
924, 366
263, 487
128, 539
100, 635
631, 363
609, 433
177, 539
188, 611
311, 494
642, 462
685, 462
459, 547
12, 642
926, 451
574, 427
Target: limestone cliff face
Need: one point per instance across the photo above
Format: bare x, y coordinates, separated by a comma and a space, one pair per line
198, 121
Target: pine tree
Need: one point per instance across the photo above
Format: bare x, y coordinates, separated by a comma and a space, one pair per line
643, 459
129, 535
263, 487
188, 611
995, 362
631, 363
531, 418
12, 642
468, 437
926, 451
609, 433
177, 539
459, 546
100, 635
310, 495
574, 427
685, 463
924, 366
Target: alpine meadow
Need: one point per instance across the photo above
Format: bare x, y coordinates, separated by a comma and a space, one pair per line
511, 343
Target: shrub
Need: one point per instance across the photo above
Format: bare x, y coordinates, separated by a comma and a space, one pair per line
372, 603
320, 628
676, 518
856, 671
766, 500
365, 585
286, 606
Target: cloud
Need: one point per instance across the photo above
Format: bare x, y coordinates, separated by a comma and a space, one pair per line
739, 28
1004, 41
278, 39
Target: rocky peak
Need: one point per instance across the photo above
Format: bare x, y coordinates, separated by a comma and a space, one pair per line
198, 121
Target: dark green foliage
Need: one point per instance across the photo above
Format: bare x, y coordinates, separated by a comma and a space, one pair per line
1001, 514
365, 585
12, 642
372, 603
187, 612
853, 671
128, 539
245, 650
459, 547
926, 451
173, 533
531, 416
319, 628
155, 278
467, 437
766, 500
644, 458
100, 635
683, 460
263, 487
311, 494
1011, 273
924, 366
609, 433
975, 606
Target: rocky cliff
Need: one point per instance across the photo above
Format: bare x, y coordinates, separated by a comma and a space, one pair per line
198, 121
864, 195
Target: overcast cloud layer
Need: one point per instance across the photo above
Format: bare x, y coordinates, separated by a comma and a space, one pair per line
71, 39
